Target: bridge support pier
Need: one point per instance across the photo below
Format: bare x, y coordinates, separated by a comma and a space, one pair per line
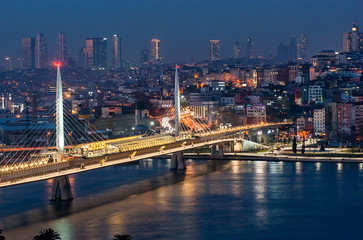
61, 189
217, 150
229, 147
178, 161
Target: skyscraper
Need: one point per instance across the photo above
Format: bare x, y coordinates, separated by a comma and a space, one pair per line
155, 48
352, 41
301, 47
144, 56
116, 51
236, 50
83, 57
292, 53
8, 64
249, 48
62, 49
282, 53
28, 52
96, 50
41, 52
215, 50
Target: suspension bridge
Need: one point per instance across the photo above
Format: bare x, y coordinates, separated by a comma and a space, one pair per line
76, 147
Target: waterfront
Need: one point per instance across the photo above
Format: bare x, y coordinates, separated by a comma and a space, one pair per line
211, 200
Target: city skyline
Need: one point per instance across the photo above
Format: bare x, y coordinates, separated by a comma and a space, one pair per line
136, 32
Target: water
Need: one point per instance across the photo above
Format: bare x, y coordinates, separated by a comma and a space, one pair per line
211, 200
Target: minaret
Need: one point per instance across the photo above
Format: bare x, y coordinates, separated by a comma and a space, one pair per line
177, 102
59, 110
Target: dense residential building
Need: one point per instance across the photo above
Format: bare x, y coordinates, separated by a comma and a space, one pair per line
116, 51
96, 49
315, 94
28, 53
215, 50
256, 114
319, 120
346, 118
293, 72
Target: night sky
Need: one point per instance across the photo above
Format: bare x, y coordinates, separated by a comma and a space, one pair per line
183, 26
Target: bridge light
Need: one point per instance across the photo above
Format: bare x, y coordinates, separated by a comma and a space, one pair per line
57, 64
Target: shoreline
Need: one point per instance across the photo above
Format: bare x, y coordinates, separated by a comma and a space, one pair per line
276, 158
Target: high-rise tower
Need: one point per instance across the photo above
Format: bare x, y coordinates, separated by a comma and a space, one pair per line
96, 51
301, 47
28, 52
249, 48
215, 50
155, 50
116, 51
8, 64
144, 56
352, 41
292, 50
41, 51
236, 50
62, 49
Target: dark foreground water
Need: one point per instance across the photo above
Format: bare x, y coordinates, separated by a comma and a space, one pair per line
211, 200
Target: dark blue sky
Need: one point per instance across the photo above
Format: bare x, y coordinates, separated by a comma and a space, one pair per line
183, 26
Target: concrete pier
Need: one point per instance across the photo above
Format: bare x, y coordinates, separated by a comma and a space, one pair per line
217, 150
178, 161
61, 189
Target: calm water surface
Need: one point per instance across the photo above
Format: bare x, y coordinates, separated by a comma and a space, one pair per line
211, 200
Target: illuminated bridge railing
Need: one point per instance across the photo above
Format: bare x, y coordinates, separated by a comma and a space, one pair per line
28, 170
112, 147
241, 128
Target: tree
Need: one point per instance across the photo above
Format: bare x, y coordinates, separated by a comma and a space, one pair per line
1, 235
294, 145
122, 237
303, 147
47, 234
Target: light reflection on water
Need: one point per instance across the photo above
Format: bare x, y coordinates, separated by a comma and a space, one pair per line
211, 200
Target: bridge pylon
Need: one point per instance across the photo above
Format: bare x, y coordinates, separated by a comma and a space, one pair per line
177, 102
59, 111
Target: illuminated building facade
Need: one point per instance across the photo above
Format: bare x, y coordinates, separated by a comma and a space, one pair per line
301, 47
116, 51
41, 51
249, 48
236, 50
96, 51
155, 50
352, 41
256, 114
215, 54
8, 64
